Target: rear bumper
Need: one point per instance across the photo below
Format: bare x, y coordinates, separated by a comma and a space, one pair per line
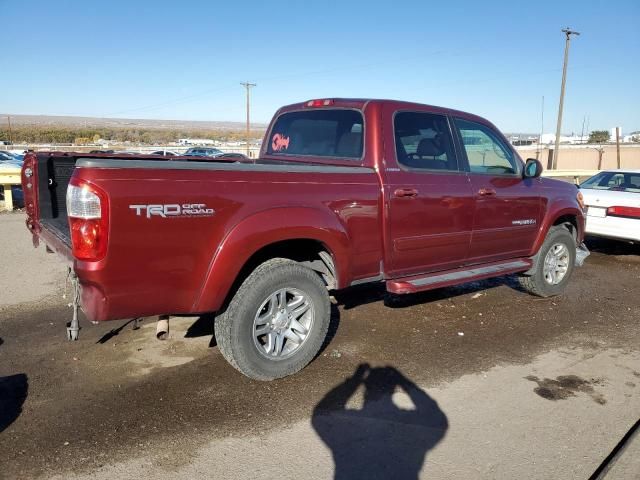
614, 227
93, 300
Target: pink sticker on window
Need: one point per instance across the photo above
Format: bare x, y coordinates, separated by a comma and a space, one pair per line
279, 142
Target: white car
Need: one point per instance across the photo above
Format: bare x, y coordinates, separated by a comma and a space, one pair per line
612, 199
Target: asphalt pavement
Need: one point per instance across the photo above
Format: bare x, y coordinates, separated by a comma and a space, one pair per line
477, 381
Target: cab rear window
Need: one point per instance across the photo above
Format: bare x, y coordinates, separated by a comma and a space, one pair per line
318, 133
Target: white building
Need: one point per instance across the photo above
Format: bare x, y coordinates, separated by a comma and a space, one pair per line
550, 139
613, 134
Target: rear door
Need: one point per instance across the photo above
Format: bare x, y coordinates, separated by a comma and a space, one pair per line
508, 207
427, 193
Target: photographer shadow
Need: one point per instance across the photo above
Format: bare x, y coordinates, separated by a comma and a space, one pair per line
13, 393
380, 440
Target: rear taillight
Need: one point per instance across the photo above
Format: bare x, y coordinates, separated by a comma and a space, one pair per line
626, 212
88, 212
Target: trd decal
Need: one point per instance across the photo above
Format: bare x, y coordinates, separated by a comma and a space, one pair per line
526, 221
173, 210
279, 142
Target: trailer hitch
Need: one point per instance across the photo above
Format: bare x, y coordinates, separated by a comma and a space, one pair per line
73, 327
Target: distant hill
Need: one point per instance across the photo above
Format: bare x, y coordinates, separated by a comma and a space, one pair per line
95, 122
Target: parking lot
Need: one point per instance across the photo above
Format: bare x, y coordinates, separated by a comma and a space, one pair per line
477, 381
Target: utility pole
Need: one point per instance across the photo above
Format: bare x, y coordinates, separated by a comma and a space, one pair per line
248, 86
568, 32
618, 146
541, 129
10, 133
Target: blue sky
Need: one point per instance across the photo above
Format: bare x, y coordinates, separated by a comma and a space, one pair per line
184, 60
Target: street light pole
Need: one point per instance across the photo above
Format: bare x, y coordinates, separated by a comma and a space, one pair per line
248, 86
568, 32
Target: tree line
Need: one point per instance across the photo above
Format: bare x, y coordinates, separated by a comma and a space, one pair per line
32, 134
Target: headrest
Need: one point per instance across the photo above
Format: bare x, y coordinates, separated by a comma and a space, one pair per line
349, 144
429, 147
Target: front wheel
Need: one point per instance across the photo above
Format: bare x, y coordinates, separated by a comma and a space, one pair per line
556, 261
276, 322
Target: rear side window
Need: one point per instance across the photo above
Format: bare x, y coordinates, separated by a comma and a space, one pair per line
486, 152
423, 141
318, 133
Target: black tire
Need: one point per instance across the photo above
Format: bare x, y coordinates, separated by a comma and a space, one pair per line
234, 328
534, 282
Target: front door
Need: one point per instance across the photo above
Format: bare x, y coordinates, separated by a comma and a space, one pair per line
427, 194
507, 207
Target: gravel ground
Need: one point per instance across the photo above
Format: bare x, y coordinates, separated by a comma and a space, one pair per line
477, 381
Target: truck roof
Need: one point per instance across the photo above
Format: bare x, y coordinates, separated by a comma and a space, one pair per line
361, 103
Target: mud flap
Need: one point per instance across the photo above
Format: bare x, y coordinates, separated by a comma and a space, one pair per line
582, 252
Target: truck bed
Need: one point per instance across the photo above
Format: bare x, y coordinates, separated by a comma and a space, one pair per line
175, 255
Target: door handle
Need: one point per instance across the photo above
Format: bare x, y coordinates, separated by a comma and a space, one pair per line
406, 192
485, 192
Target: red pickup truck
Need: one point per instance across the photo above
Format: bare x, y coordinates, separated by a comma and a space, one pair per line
345, 191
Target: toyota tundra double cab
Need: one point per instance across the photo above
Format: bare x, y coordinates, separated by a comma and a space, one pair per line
344, 192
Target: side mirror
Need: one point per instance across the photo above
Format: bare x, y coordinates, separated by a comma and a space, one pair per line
532, 168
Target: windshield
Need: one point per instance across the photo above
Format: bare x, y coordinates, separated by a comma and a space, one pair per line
616, 181
319, 133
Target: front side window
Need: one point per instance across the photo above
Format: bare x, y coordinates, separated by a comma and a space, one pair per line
423, 141
486, 152
319, 133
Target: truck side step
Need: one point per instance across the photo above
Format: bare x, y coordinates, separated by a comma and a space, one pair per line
420, 283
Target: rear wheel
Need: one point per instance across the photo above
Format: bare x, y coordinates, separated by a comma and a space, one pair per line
555, 264
276, 322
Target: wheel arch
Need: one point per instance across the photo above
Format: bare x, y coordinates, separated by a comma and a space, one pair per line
569, 218
561, 214
308, 235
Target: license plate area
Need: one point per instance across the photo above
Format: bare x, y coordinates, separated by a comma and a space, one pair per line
599, 212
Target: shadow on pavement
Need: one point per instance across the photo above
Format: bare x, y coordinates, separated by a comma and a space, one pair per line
114, 332
607, 246
203, 327
380, 440
353, 297
13, 393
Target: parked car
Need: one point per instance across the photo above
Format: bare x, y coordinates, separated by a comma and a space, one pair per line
238, 157
203, 152
11, 159
18, 156
612, 198
438, 197
164, 153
